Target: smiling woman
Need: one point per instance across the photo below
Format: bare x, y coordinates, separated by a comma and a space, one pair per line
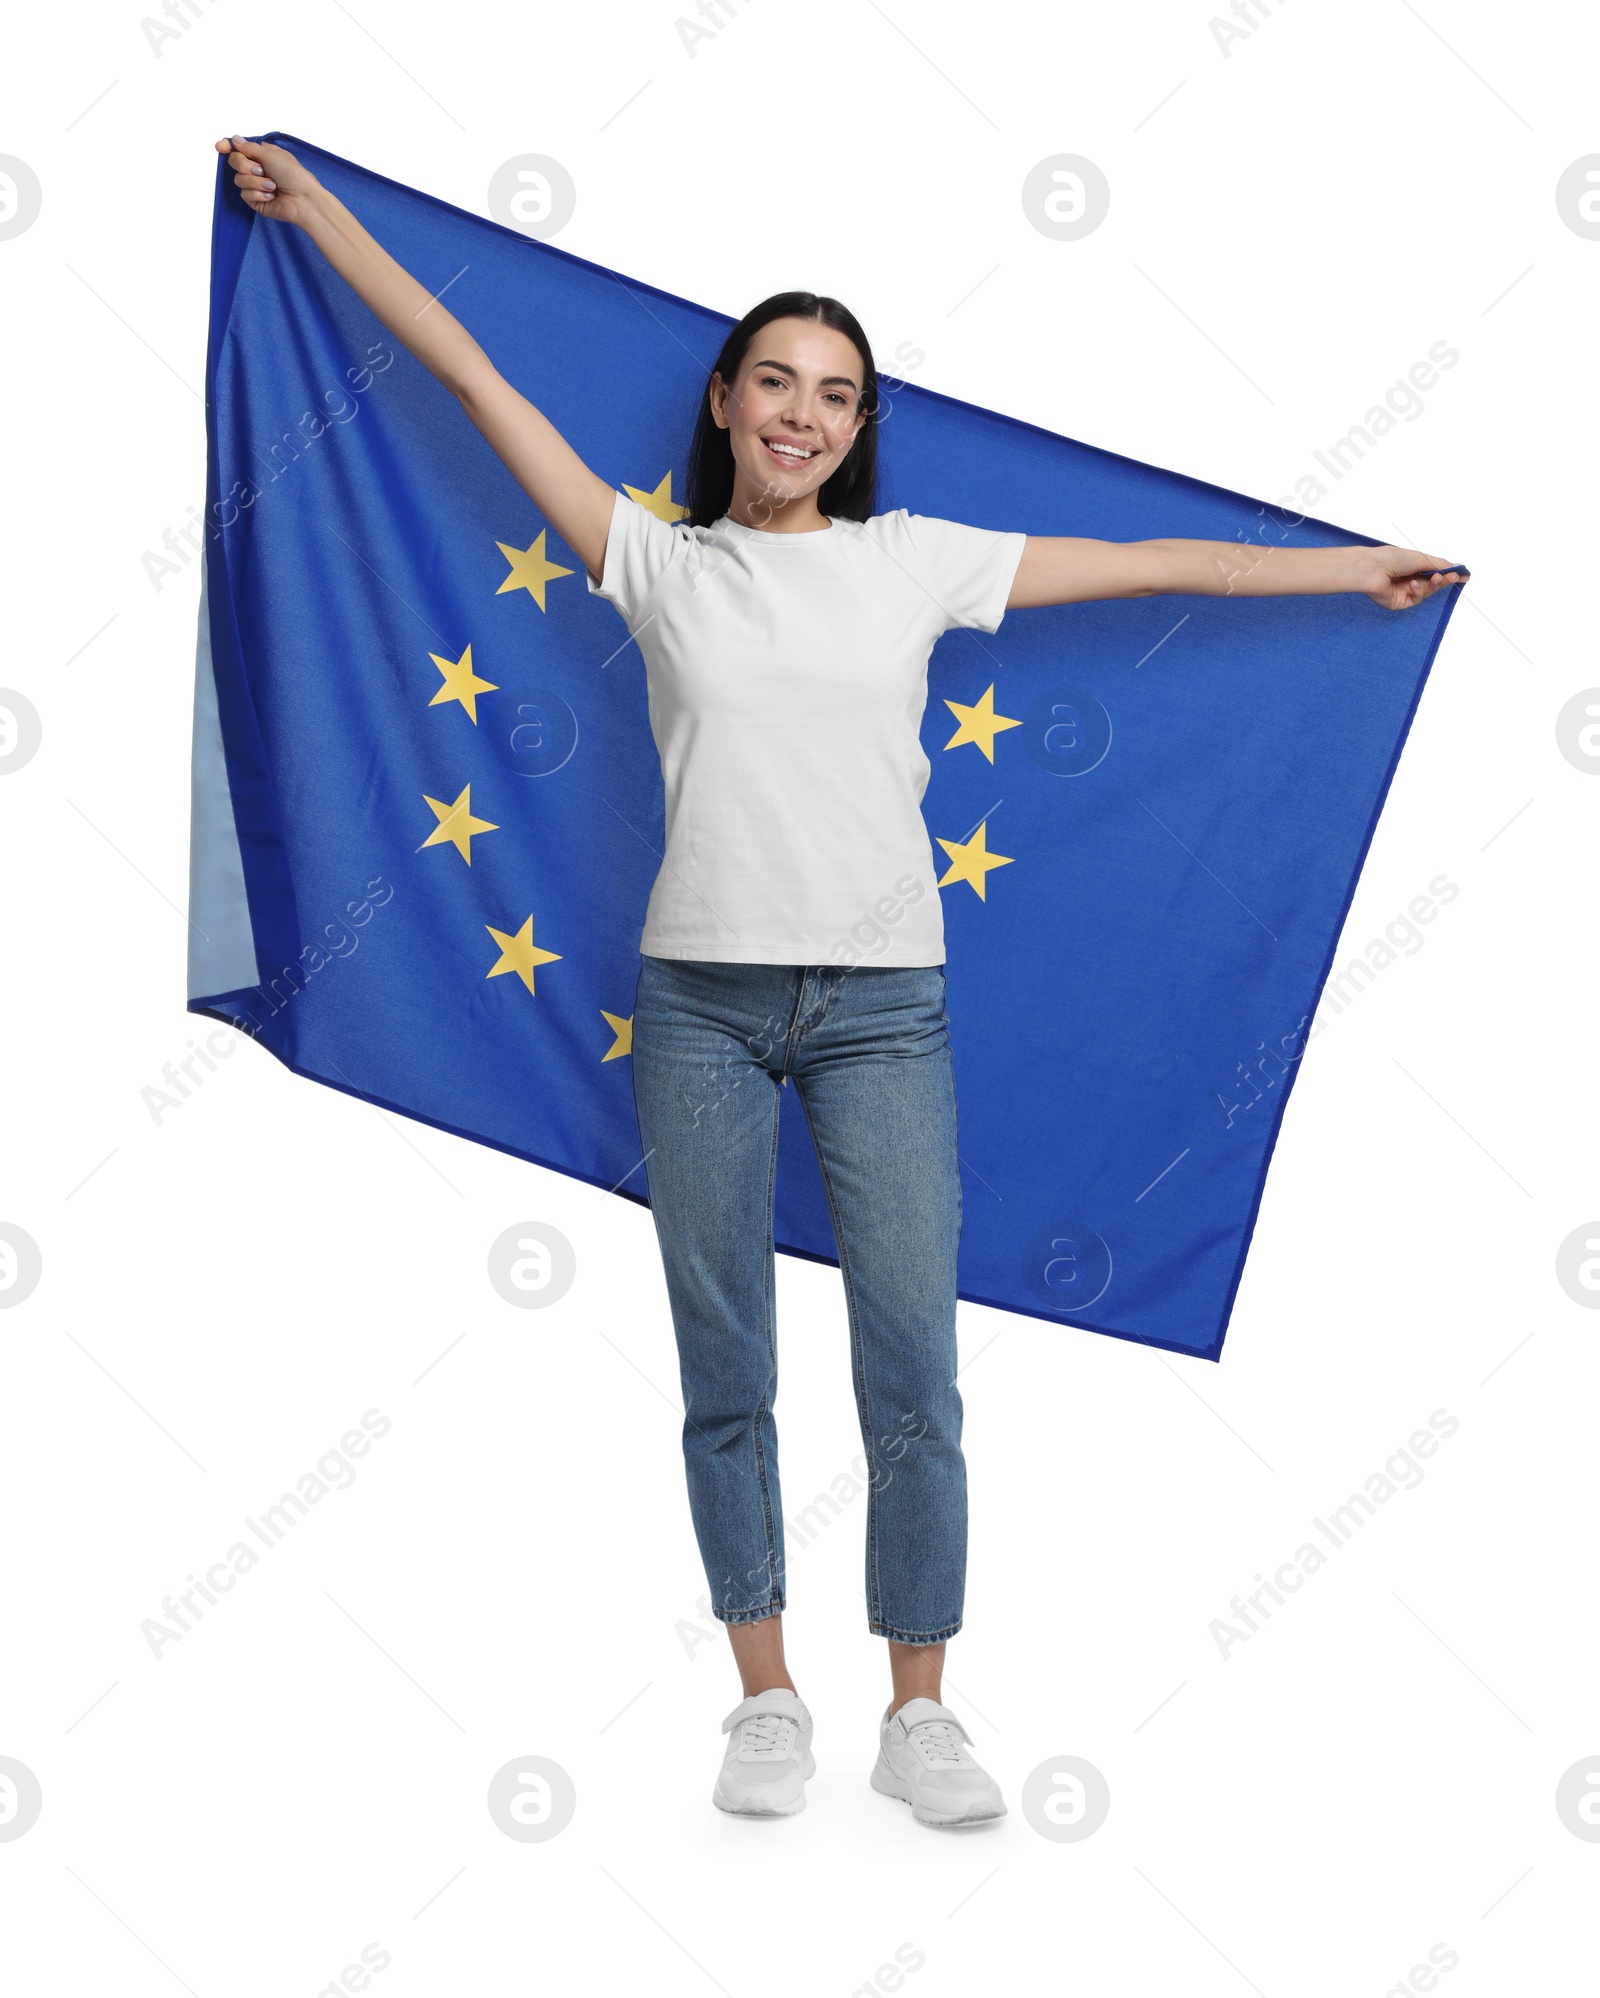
787, 432
785, 627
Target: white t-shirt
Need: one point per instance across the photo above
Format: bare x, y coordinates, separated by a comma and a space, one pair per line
787, 678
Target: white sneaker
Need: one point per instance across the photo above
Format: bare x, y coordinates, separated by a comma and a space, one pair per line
768, 1757
923, 1760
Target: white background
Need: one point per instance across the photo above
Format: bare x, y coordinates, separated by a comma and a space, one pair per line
1373, 1773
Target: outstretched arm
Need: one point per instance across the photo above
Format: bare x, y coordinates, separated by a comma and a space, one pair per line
577, 501
1067, 569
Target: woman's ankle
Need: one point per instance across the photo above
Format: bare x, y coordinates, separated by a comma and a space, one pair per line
758, 1654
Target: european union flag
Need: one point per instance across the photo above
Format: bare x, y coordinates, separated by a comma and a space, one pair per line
428, 807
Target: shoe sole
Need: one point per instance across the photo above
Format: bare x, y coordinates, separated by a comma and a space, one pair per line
749, 1810
889, 1784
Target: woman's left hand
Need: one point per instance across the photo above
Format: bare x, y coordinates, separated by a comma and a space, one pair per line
1402, 577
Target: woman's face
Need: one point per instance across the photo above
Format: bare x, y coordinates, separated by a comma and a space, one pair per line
790, 413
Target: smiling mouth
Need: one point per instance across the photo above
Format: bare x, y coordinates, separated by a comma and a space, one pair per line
789, 454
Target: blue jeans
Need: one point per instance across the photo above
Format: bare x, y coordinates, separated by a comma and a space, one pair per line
866, 1048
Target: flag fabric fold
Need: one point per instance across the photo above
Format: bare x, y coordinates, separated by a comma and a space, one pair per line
427, 806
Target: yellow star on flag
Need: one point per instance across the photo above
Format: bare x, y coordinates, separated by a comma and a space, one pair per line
530, 568
456, 824
520, 953
460, 683
623, 1029
979, 724
660, 502
972, 860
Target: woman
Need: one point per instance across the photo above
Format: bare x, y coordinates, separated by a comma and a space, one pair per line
786, 650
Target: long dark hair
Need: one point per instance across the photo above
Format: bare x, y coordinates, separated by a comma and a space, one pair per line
851, 493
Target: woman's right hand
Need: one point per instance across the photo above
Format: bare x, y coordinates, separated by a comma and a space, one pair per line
577, 502
271, 180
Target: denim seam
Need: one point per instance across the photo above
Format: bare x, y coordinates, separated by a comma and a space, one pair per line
915, 1637
757, 1615
858, 1367
794, 1027
830, 987
774, 1564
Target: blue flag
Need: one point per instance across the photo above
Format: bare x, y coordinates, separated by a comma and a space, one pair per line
428, 808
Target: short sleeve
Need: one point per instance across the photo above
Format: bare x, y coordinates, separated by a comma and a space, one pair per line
971, 569
640, 547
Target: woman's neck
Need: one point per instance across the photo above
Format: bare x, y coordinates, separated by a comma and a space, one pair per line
772, 513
